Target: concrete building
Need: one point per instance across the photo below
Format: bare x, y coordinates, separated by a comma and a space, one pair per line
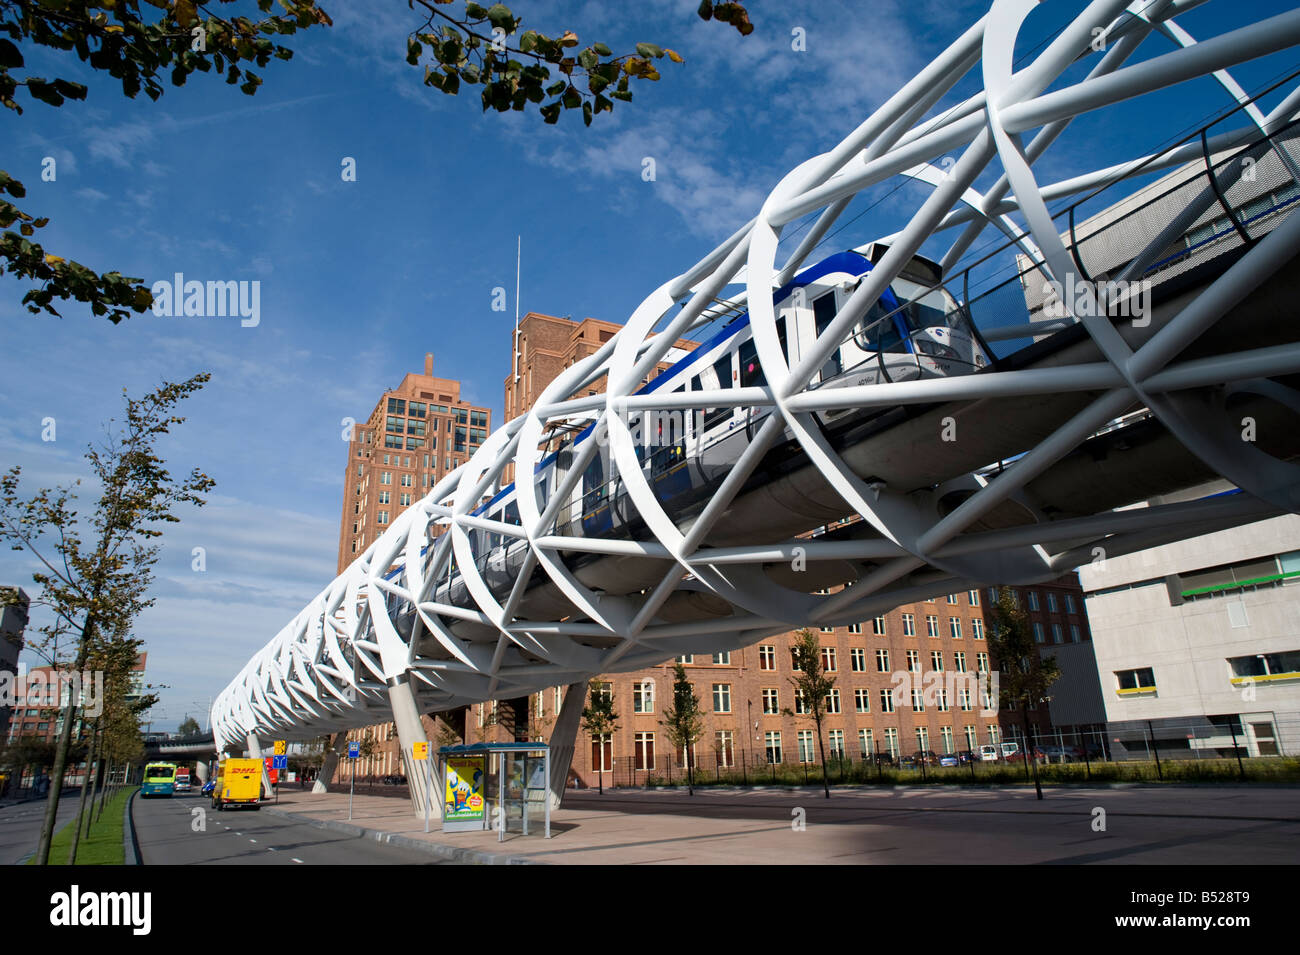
416, 434
14, 604
1198, 643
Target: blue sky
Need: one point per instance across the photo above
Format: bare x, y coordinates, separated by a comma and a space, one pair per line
360, 279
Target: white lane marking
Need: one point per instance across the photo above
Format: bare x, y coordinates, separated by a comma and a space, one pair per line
252, 840
270, 848
299, 861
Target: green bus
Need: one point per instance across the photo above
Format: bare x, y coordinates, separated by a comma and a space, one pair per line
159, 779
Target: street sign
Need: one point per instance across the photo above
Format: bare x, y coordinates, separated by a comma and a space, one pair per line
280, 762
420, 750
280, 748
354, 749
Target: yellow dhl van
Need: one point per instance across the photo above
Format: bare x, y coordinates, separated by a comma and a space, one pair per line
239, 783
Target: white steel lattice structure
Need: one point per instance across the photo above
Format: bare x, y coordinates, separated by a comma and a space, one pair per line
458, 604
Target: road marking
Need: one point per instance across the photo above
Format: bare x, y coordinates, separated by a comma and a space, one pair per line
270, 848
299, 861
252, 840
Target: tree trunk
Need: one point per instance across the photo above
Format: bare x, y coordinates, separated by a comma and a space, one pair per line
690, 770
821, 748
1029, 748
85, 790
60, 768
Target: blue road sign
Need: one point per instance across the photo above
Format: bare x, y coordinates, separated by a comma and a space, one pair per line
279, 762
354, 749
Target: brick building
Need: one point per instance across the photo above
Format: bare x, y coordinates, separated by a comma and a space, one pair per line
41, 692
416, 434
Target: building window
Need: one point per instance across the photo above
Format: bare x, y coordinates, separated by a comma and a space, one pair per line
770, 705
914, 661
1058, 634
767, 657
954, 627
858, 659
772, 745
800, 701
1074, 633
862, 700
833, 701
682, 757
1135, 681
724, 748
936, 660
406, 500
982, 662
722, 697
1038, 633
941, 700
959, 661
891, 741
686, 659
886, 701
806, 746
866, 743
931, 625
828, 629
909, 625
1051, 602
384, 496
971, 738
794, 661
946, 733
922, 738
1069, 603
386, 477
918, 701
835, 743
602, 753
952, 598
974, 598
723, 658
878, 626
964, 699
977, 628
643, 697
882, 660
1033, 600
855, 628
382, 518
828, 659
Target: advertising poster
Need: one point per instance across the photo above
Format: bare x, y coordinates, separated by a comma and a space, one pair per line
464, 789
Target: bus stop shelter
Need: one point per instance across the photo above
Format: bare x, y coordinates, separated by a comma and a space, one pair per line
510, 779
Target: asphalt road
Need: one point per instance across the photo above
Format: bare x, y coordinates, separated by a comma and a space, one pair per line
20, 826
170, 832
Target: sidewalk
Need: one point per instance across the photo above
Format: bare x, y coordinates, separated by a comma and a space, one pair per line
1146, 824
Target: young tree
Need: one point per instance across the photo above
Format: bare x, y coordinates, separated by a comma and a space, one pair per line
468, 43
684, 721
189, 727
96, 587
1026, 675
812, 687
600, 720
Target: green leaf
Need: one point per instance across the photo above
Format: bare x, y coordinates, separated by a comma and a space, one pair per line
649, 50
602, 49
528, 41
475, 11
10, 57
588, 59
500, 16
706, 10
551, 113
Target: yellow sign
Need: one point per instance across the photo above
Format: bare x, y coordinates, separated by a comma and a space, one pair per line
279, 747
420, 750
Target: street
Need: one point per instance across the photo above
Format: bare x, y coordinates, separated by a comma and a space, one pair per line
20, 826
171, 832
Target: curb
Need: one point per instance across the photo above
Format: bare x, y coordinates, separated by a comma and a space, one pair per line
130, 848
450, 853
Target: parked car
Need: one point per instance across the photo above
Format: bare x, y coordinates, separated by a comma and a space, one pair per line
988, 753
927, 756
1019, 755
966, 756
1008, 750
394, 779
950, 759
881, 759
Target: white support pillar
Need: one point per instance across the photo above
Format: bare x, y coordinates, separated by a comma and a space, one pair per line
563, 736
255, 752
410, 730
330, 763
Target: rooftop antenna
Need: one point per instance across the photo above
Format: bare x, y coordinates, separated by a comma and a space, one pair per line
519, 245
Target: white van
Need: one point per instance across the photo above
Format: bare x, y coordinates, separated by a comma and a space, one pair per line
988, 753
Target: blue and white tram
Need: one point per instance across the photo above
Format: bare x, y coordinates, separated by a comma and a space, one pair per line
915, 330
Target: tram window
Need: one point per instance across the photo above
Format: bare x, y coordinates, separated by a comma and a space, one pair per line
823, 315
512, 513
780, 337
751, 372
722, 369
593, 484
